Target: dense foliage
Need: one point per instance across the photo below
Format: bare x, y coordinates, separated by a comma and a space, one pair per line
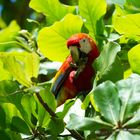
30, 58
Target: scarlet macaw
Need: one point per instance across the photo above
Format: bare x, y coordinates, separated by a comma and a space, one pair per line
76, 73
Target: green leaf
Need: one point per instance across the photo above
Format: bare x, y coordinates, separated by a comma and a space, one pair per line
129, 96
20, 67
9, 112
56, 126
4, 135
13, 135
107, 100
108, 64
134, 121
10, 90
19, 126
7, 88
112, 137
85, 123
132, 6
118, 2
5, 75
52, 40
70, 2
92, 12
125, 135
2, 118
68, 104
29, 105
8, 33
134, 59
48, 97
126, 24
53, 9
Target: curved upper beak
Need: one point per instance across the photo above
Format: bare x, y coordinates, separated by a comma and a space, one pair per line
74, 53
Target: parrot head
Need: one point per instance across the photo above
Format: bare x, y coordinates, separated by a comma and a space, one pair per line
80, 46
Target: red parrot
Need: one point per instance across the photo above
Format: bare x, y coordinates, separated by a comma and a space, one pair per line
76, 73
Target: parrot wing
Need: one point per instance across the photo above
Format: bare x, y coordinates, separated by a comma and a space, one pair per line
61, 75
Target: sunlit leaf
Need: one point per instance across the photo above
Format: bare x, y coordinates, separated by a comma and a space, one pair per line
126, 24
53, 9
52, 40
9, 32
134, 59
69, 2
107, 100
5, 75
92, 11
23, 66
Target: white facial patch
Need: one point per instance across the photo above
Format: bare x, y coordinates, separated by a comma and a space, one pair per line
85, 45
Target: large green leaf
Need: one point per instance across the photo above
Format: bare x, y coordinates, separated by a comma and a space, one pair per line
125, 135
52, 40
53, 9
107, 99
112, 137
9, 32
134, 121
126, 24
92, 11
23, 66
134, 59
19, 126
56, 126
2, 118
129, 96
10, 111
68, 104
4, 135
108, 64
48, 97
70, 2
29, 105
7, 88
132, 6
118, 2
13, 96
5, 75
84, 123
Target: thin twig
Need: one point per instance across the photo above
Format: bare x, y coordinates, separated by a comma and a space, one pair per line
73, 133
47, 108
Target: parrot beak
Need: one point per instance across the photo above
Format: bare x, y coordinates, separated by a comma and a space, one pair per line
74, 53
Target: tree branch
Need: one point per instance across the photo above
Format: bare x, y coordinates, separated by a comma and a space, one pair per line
47, 108
73, 133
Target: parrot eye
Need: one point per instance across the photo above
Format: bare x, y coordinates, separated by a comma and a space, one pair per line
85, 45
84, 40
